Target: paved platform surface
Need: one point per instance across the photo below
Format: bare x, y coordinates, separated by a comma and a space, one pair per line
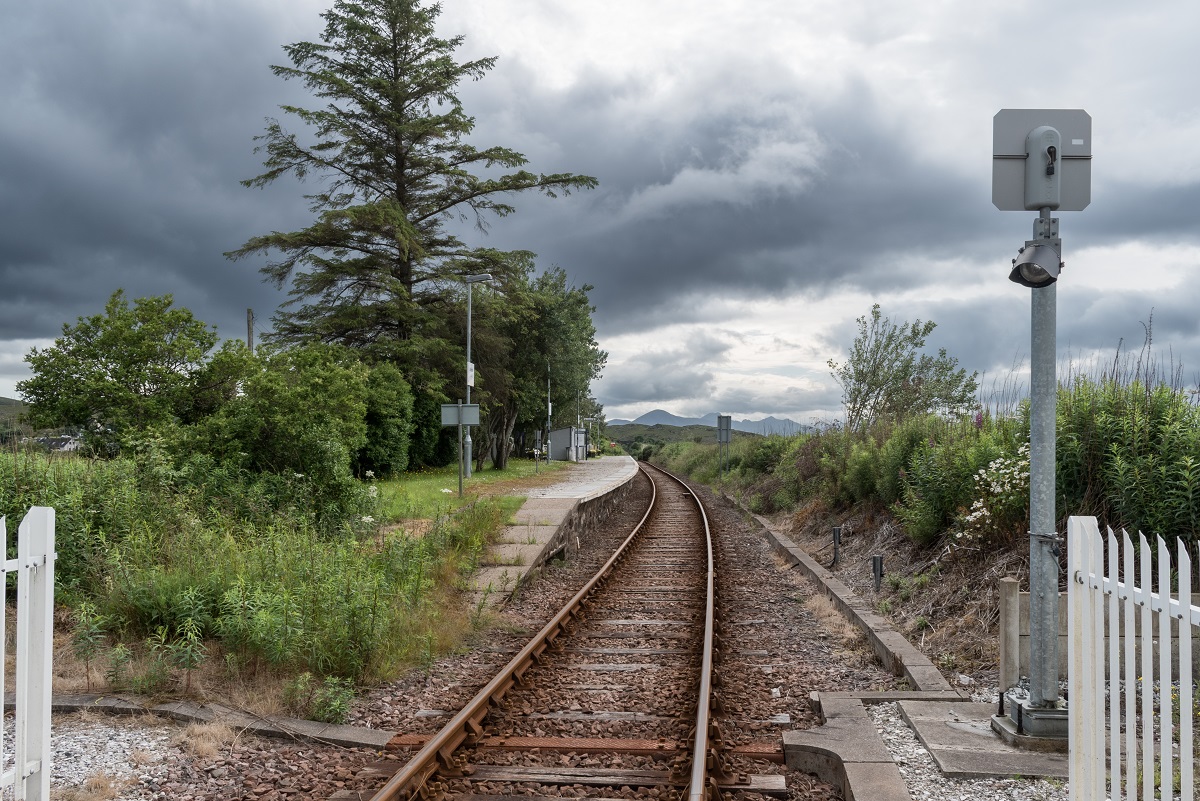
959, 736
534, 535
591, 479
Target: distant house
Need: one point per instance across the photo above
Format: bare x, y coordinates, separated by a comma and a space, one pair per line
61, 443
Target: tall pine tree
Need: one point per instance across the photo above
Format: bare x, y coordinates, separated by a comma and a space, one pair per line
378, 266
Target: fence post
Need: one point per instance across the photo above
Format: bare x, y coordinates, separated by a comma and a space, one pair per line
35, 652
1078, 632
1010, 633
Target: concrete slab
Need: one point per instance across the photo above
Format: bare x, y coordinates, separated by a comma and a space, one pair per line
959, 736
875, 781
528, 535
513, 554
495, 581
846, 752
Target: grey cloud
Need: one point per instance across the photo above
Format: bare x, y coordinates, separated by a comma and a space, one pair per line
123, 136
793, 400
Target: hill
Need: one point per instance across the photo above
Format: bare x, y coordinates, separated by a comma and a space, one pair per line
765, 426
634, 435
10, 414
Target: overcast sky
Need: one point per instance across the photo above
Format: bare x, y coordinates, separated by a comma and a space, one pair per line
767, 171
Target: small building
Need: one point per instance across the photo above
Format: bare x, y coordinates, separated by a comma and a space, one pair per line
568, 444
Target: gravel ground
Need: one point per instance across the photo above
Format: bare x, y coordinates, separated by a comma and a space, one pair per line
926, 783
777, 653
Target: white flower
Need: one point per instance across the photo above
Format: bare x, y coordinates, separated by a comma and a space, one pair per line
370, 474
368, 519
373, 492
447, 490
298, 475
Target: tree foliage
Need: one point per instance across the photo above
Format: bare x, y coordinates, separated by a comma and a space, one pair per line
128, 369
886, 378
377, 267
540, 329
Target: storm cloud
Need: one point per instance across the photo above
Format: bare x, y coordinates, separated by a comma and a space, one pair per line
767, 172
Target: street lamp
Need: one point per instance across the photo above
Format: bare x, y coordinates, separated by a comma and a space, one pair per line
471, 280
1041, 161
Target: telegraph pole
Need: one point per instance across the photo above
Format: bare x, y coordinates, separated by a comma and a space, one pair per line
250, 330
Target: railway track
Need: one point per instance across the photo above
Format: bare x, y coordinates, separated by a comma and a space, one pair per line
615, 696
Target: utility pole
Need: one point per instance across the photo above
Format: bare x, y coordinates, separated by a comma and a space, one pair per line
549, 411
471, 280
250, 330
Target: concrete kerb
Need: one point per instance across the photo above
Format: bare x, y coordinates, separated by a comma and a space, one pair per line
895, 652
846, 750
275, 727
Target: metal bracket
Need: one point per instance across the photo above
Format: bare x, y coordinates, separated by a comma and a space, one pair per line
1046, 228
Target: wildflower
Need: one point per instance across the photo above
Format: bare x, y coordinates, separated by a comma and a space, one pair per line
370, 474
447, 490
368, 519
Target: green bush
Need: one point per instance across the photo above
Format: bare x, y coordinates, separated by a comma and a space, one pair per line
862, 472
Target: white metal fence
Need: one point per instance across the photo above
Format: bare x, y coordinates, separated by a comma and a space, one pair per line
1133, 738
30, 774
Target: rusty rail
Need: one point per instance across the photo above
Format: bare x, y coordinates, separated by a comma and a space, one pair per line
410, 781
705, 765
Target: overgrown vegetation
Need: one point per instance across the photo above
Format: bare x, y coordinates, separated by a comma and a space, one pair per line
163, 562
1128, 452
231, 505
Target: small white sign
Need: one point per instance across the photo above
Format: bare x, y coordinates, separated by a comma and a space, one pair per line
471, 375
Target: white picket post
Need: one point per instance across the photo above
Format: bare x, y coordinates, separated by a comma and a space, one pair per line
1114, 668
1147, 674
1078, 634
1131, 752
35, 652
1186, 777
1165, 736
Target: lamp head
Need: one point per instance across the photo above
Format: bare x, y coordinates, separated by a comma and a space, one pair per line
475, 279
1037, 264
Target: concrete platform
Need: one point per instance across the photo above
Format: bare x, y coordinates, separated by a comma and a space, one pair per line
959, 736
846, 752
552, 521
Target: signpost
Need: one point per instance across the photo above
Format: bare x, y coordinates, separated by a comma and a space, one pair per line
460, 414
724, 434
1041, 161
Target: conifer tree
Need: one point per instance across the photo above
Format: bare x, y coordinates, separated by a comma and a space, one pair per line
378, 267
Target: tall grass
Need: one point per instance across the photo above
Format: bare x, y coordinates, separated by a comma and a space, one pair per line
162, 551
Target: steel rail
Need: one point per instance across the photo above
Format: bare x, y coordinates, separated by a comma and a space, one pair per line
409, 781
698, 786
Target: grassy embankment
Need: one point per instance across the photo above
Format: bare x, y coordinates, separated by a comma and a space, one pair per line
167, 575
947, 500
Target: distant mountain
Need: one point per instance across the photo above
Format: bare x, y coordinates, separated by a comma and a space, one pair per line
767, 425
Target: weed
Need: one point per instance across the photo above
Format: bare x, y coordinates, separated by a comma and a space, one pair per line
327, 701
87, 638
119, 658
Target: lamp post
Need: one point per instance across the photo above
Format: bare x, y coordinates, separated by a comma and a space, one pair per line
1041, 162
471, 280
